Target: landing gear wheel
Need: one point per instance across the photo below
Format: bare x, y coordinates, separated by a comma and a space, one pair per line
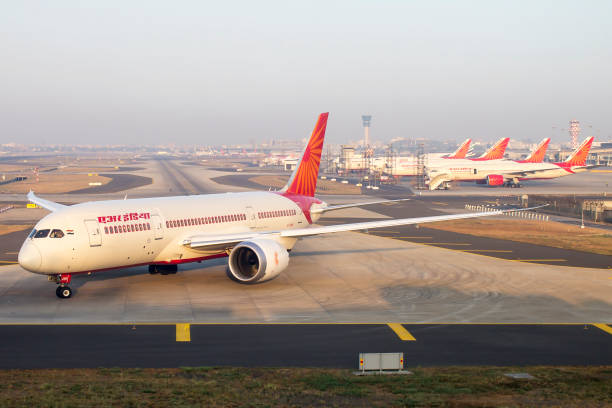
63, 292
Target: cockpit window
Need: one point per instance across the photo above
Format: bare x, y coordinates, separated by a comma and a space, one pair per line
41, 233
32, 233
56, 234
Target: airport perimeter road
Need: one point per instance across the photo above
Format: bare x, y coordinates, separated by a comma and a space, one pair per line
310, 345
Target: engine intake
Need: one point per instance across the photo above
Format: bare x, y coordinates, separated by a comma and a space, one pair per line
258, 260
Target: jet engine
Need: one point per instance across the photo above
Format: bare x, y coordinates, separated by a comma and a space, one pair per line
495, 180
258, 260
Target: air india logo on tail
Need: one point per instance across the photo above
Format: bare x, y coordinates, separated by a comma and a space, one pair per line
462, 151
579, 157
496, 151
537, 156
303, 181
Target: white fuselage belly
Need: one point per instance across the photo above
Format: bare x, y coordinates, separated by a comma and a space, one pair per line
153, 229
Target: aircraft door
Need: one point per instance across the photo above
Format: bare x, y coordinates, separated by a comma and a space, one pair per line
156, 223
251, 217
93, 230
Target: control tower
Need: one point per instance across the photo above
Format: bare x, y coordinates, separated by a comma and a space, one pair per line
366, 129
574, 131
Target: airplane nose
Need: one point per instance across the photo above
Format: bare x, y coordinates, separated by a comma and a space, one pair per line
29, 257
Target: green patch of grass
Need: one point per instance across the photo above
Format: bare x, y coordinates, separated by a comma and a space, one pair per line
260, 387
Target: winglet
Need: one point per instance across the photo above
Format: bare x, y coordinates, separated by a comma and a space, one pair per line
462, 151
579, 156
496, 151
46, 204
303, 181
537, 155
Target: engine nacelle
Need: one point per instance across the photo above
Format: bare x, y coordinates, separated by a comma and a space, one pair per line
257, 260
495, 180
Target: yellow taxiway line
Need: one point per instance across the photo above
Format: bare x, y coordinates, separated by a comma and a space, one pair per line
401, 332
183, 332
603, 327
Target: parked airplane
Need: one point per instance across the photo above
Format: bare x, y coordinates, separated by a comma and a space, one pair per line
507, 172
256, 230
408, 166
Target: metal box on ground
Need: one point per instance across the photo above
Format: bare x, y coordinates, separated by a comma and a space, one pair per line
381, 363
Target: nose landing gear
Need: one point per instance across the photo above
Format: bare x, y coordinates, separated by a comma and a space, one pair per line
63, 291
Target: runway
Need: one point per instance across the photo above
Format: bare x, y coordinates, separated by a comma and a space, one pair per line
90, 346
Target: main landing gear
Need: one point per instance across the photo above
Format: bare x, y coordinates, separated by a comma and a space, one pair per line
63, 291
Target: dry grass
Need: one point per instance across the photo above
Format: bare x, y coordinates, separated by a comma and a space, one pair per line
52, 183
553, 234
323, 186
83, 169
15, 167
7, 229
204, 386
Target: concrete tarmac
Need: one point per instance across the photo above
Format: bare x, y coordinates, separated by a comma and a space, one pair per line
345, 277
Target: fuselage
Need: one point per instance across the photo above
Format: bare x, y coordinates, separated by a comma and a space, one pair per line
467, 170
104, 235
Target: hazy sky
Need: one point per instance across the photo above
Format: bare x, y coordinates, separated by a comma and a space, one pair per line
223, 71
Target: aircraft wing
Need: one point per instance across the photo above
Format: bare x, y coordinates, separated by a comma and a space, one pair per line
46, 204
228, 240
341, 206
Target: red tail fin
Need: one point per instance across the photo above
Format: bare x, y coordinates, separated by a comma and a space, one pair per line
303, 181
496, 151
579, 156
461, 152
537, 156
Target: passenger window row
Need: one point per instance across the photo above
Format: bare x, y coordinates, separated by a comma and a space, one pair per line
120, 229
188, 222
276, 213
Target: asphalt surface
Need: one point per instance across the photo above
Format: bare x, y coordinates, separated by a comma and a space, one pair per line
290, 345
10, 244
119, 182
183, 182
498, 248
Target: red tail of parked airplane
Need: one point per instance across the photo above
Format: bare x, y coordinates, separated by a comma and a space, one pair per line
303, 181
496, 151
537, 156
579, 156
461, 152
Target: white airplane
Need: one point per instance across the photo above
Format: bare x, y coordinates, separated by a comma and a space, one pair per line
509, 172
256, 230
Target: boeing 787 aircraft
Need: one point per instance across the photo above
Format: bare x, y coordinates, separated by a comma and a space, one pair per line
256, 230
